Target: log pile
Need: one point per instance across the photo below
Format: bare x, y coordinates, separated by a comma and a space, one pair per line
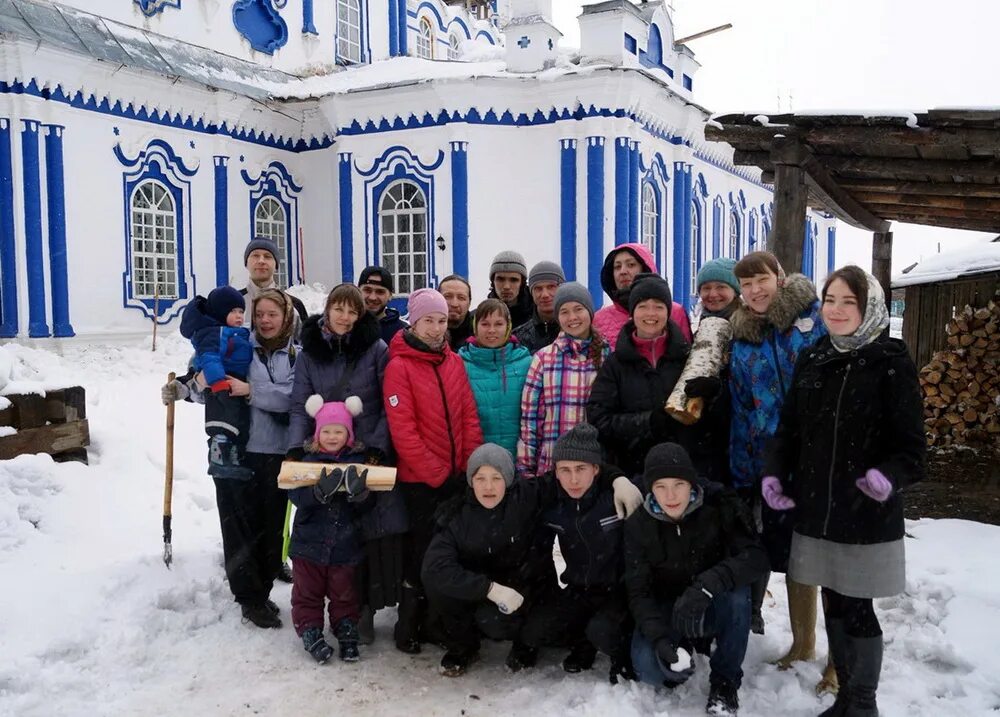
961, 384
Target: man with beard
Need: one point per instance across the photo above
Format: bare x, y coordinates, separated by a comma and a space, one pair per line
457, 292
377, 286
509, 283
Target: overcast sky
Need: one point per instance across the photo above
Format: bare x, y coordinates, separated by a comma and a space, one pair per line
843, 55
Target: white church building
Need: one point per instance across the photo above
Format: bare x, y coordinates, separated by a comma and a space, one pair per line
143, 143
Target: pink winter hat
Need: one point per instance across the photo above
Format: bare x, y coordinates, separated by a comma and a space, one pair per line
423, 302
337, 412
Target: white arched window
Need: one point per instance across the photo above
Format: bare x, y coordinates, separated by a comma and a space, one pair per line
269, 222
425, 39
403, 223
650, 217
154, 242
349, 30
734, 236
454, 47
695, 246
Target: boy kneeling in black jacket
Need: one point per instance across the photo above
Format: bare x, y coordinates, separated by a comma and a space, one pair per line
691, 554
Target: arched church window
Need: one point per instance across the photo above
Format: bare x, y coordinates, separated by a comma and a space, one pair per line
403, 229
425, 39
695, 246
454, 47
650, 217
734, 236
349, 31
270, 222
154, 242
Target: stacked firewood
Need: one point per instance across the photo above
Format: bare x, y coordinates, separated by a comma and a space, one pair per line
961, 384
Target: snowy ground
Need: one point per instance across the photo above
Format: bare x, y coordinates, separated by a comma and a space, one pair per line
92, 623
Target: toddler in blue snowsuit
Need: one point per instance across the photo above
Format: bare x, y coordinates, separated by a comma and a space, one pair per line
222, 348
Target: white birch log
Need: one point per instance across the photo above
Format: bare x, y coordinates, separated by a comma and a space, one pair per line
296, 474
707, 357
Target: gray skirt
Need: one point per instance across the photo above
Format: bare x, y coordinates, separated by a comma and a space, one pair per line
861, 571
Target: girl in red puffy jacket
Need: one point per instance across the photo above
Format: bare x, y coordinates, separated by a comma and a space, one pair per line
434, 427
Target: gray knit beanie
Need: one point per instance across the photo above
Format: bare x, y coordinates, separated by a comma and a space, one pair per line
574, 291
261, 243
578, 444
509, 261
546, 271
490, 454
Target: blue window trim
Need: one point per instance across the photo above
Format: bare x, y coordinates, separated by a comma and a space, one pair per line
486, 36
658, 210
735, 221
831, 249
461, 23
159, 162
363, 34
657, 175
259, 22
149, 8
654, 59
631, 46
275, 181
752, 224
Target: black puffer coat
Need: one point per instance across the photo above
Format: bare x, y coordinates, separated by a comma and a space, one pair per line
847, 413
713, 544
627, 398
536, 333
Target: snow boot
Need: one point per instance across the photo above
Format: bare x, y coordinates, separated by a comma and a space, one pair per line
723, 698
346, 633
224, 459
454, 664
284, 573
840, 655
580, 658
521, 656
260, 615
273, 607
866, 666
410, 614
621, 669
366, 626
312, 640
802, 615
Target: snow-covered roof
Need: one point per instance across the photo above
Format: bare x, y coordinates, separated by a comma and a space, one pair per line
978, 258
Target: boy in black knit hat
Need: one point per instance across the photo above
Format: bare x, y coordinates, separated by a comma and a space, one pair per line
691, 554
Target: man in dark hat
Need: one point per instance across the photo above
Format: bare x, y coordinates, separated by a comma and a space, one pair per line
377, 286
261, 260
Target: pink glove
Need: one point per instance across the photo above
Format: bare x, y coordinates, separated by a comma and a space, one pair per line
875, 485
774, 496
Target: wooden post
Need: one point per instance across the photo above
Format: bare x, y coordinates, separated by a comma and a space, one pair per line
882, 262
790, 195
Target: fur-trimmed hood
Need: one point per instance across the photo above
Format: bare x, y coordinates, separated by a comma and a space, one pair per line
365, 333
797, 295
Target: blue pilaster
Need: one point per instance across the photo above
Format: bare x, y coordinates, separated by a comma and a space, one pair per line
567, 207
635, 196
8, 255
221, 219
689, 247
831, 249
346, 217
682, 217
393, 29
58, 265
717, 209
595, 216
807, 250
460, 207
308, 25
623, 195
401, 26
37, 327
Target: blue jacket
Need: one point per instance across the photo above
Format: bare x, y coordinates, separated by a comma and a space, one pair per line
219, 349
497, 377
765, 349
328, 533
389, 323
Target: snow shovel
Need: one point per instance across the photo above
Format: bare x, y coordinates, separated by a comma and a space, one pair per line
168, 481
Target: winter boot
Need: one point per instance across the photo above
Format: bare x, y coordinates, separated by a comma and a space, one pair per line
802, 614
723, 698
521, 656
580, 658
224, 459
273, 607
312, 640
366, 626
346, 633
621, 669
454, 664
260, 615
866, 666
840, 656
284, 573
409, 616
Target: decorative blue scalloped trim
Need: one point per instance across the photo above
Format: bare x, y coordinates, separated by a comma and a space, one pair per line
260, 24
152, 7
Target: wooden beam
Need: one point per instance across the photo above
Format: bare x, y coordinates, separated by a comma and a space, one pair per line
790, 195
882, 262
974, 225
983, 140
742, 157
928, 200
943, 213
984, 172
942, 189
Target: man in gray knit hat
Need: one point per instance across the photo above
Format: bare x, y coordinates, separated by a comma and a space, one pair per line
509, 283
542, 328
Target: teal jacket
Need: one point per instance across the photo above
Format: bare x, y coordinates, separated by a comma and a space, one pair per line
497, 377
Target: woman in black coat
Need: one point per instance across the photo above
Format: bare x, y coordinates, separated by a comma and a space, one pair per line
850, 438
628, 396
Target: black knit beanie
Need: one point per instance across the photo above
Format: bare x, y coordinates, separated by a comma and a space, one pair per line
578, 444
648, 286
668, 460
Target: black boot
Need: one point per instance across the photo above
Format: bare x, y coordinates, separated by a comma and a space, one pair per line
366, 626
580, 658
284, 573
621, 669
410, 614
454, 664
521, 656
346, 632
260, 615
272, 606
841, 653
312, 640
866, 666
723, 698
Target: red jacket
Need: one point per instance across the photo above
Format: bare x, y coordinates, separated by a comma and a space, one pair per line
433, 421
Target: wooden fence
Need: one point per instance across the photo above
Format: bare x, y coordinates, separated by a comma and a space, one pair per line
929, 307
55, 424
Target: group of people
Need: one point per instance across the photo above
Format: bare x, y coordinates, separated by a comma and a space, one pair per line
535, 418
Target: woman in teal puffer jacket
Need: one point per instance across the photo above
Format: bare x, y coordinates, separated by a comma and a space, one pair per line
497, 367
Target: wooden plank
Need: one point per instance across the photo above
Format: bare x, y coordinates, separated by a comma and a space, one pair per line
838, 201
788, 234
911, 320
947, 222
297, 474
928, 200
861, 167
944, 189
854, 136
54, 438
882, 262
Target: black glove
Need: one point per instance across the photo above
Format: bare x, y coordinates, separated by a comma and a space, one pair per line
375, 457
328, 484
689, 611
666, 651
707, 387
357, 483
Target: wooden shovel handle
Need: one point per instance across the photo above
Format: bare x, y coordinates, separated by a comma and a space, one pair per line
168, 478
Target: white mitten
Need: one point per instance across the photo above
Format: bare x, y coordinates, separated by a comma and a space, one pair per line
627, 496
507, 599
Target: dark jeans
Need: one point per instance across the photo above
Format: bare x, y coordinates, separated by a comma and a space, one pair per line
462, 622
252, 517
727, 619
313, 584
571, 617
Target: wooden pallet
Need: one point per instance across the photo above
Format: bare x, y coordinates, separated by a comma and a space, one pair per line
55, 424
